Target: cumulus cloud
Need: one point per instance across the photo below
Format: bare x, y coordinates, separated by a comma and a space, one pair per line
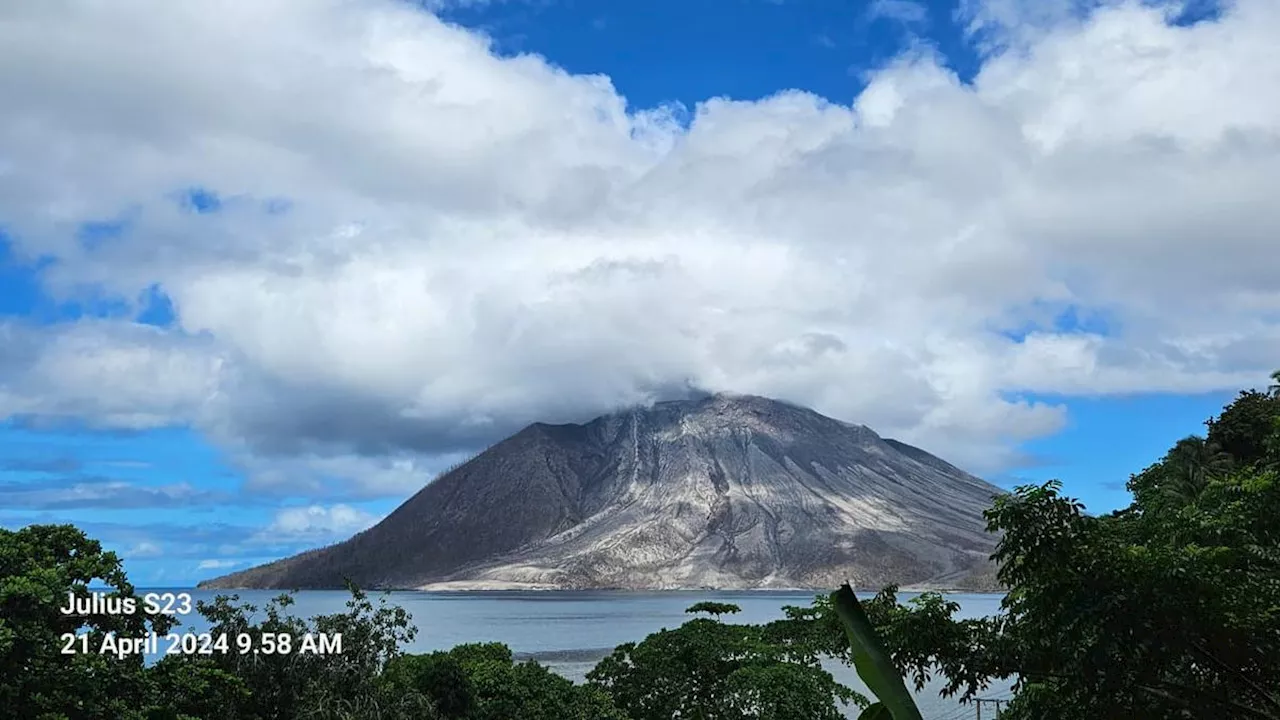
419, 246
106, 373
316, 523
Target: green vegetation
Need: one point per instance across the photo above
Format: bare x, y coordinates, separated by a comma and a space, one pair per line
38, 565
483, 682
1169, 608
872, 661
710, 670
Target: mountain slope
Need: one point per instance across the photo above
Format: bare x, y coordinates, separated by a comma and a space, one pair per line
723, 491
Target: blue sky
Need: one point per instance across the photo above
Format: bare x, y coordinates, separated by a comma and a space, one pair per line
190, 374
745, 49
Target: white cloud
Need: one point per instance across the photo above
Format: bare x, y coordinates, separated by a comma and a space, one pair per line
903, 11
394, 474
315, 523
217, 564
474, 243
144, 550
108, 373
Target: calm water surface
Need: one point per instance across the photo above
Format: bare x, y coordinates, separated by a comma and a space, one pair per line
570, 631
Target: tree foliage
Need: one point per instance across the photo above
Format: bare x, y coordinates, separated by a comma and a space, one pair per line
1244, 428
1182, 474
39, 566
483, 682
308, 685
714, 609
711, 670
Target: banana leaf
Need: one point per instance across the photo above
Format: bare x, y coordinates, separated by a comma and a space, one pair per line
875, 711
872, 661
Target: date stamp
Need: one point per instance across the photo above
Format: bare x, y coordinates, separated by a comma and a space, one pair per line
261, 643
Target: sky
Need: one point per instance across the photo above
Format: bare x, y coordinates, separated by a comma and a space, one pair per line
267, 267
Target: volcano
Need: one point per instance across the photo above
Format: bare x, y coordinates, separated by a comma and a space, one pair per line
722, 491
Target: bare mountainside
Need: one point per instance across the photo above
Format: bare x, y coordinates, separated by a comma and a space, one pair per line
726, 492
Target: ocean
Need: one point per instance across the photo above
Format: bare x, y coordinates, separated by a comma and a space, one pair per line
569, 631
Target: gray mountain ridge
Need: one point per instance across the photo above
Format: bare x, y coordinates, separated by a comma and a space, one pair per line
722, 491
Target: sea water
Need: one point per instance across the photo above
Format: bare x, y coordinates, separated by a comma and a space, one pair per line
569, 631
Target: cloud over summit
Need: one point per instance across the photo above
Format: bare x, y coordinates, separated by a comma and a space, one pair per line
419, 246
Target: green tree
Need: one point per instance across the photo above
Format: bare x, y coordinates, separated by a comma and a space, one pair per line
39, 566
1243, 427
1195, 462
714, 609
710, 670
1182, 474
482, 681
193, 689
438, 676
339, 686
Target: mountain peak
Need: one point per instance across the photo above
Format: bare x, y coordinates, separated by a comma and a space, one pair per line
718, 490
735, 412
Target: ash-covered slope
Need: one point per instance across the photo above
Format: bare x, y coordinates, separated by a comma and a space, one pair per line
720, 492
